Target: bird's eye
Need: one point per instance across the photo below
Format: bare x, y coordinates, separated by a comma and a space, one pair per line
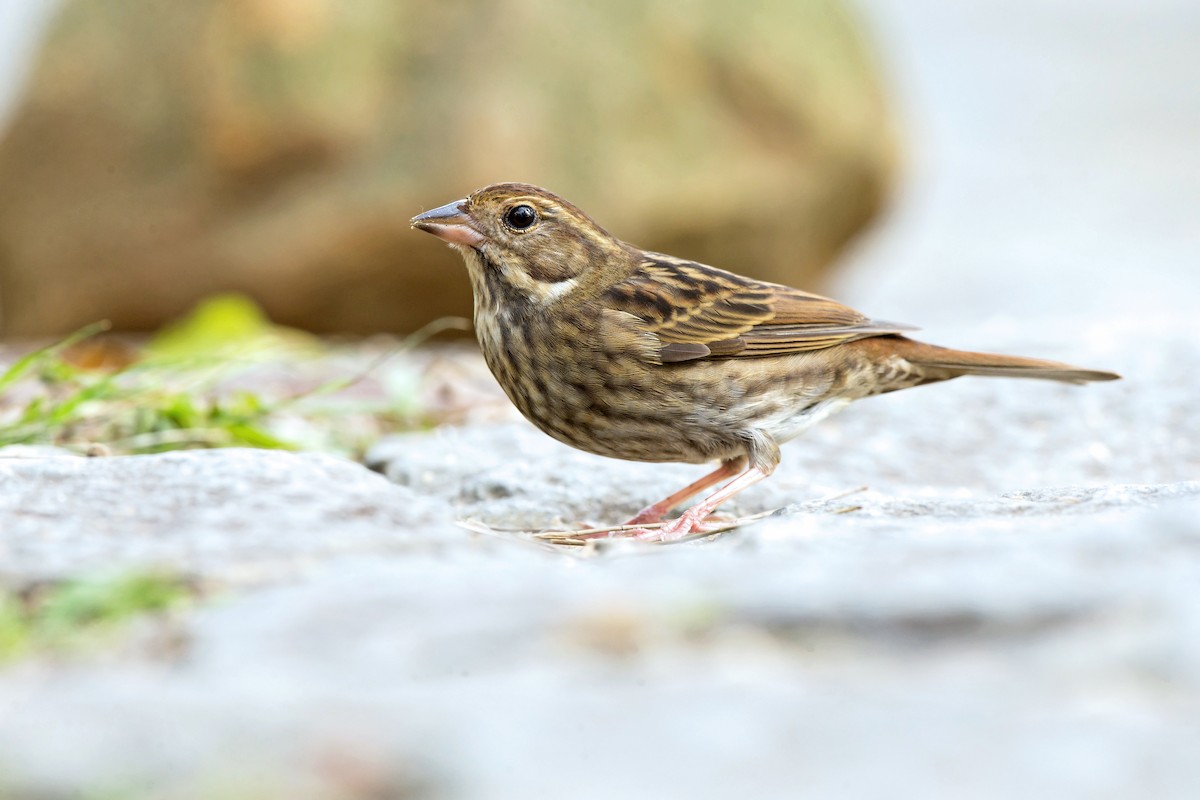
520, 217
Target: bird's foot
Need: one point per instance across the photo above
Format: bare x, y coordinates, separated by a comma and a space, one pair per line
652, 516
688, 524
649, 530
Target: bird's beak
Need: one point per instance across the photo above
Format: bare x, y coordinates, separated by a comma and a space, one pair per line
450, 222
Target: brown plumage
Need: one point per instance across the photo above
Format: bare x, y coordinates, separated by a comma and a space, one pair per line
646, 357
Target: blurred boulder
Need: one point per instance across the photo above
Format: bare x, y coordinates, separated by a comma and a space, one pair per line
166, 151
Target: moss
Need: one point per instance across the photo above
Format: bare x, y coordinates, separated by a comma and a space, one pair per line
73, 614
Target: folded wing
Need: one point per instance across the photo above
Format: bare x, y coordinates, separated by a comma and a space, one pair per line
697, 311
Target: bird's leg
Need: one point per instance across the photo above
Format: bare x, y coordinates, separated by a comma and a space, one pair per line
693, 520
656, 511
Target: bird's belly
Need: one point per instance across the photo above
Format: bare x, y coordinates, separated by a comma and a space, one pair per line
786, 422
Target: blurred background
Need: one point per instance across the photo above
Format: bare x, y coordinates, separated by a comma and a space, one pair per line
153, 154
1052, 167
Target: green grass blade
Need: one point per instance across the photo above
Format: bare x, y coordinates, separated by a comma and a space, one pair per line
24, 365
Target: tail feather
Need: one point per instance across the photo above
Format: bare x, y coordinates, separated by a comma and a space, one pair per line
942, 363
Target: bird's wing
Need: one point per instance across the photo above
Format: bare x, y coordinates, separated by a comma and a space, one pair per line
697, 311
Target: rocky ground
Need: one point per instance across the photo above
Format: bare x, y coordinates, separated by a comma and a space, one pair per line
1010, 608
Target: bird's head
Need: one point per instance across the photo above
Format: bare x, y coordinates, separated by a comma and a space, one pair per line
528, 239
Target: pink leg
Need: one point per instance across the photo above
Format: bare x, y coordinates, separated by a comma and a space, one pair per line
692, 520
655, 512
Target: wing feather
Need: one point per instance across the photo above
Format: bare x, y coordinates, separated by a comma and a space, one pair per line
698, 312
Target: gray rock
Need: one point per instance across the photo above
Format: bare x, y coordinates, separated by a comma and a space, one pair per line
1038, 642
225, 515
1031, 653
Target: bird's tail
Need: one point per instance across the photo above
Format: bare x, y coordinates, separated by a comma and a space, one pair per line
941, 363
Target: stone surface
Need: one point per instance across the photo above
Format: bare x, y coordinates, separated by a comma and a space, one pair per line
162, 153
1009, 609
227, 515
995, 646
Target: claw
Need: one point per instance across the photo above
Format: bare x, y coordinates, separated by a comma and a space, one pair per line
689, 524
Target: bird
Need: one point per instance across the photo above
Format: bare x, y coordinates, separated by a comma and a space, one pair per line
643, 356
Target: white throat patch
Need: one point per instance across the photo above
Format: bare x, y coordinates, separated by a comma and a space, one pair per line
538, 291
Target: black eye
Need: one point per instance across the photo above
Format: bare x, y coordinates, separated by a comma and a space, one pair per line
520, 217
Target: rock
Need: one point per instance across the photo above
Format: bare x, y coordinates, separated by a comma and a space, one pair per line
1038, 644
163, 153
1018, 584
225, 516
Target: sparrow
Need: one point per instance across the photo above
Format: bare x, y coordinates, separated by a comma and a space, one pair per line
642, 356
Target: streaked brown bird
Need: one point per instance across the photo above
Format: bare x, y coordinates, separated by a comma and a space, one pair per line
646, 357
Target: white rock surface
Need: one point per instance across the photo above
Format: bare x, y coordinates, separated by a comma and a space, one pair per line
1011, 609
227, 515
